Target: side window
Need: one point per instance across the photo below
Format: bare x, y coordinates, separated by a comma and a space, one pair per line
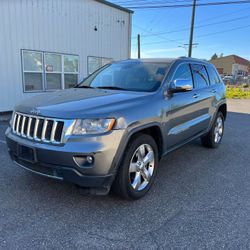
213, 75
183, 72
201, 79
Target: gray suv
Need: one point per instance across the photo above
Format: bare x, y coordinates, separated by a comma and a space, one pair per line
111, 130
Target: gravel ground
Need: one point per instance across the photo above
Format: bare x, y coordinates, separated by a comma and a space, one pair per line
201, 200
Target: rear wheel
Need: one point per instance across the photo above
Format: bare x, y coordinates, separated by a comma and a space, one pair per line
137, 171
215, 135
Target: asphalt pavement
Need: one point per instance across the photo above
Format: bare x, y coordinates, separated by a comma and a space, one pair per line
200, 200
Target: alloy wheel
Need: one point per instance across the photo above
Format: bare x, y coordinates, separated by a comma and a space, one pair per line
141, 167
218, 130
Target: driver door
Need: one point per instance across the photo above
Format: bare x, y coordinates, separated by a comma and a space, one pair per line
185, 110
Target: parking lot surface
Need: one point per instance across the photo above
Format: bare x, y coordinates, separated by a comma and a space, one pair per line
200, 200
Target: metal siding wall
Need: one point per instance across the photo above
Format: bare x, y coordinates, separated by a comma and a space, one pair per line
63, 26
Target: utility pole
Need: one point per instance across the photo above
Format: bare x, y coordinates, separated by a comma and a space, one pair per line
139, 45
192, 30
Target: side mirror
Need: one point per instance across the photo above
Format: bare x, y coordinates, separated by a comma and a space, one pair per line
181, 85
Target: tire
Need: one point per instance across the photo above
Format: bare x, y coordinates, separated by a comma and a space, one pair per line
134, 178
214, 137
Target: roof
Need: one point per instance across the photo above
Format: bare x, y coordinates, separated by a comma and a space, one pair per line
167, 60
114, 6
154, 60
234, 59
241, 60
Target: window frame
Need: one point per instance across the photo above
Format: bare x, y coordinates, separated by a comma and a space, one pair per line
178, 66
44, 72
31, 71
70, 73
54, 72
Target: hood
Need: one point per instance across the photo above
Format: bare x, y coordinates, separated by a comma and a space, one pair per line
80, 103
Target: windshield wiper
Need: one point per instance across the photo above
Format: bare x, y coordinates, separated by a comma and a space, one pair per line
111, 87
84, 87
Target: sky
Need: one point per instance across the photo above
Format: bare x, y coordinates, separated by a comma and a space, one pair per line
218, 29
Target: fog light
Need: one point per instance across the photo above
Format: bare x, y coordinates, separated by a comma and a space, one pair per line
84, 161
90, 159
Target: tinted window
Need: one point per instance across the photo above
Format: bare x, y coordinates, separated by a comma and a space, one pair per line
213, 75
183, 72
200, 76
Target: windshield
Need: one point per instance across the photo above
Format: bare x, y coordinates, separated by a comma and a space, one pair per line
130, 76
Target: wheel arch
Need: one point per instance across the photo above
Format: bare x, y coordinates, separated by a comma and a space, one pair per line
152, 129
223, 109
155, 132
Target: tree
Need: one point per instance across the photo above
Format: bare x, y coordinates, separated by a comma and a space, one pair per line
215, 56
221, 55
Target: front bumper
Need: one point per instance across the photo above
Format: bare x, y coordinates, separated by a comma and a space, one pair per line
62, 161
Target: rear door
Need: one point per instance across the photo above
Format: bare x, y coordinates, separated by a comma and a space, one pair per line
216, 88
204, 95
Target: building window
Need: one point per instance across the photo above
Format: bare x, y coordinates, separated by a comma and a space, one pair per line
53, 71
44, 71
94, 63
33, 70
70, 71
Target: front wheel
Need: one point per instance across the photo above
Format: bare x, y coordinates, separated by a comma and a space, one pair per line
137, 171
215, 135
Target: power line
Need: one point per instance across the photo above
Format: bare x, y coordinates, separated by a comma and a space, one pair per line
141, 4
208, 34
162, 37
224, 31
197, 26
186, 5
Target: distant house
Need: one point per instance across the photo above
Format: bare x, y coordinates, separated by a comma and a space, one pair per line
232, 65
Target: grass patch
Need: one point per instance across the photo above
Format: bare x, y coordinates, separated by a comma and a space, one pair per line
238, 92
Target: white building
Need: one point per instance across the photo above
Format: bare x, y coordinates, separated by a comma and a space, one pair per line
52, 44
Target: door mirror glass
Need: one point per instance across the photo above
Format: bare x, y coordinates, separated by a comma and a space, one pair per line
181, 85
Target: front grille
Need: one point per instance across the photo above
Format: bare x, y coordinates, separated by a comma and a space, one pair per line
38, 128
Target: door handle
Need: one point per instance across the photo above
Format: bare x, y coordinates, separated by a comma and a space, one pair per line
214, 91
196, 95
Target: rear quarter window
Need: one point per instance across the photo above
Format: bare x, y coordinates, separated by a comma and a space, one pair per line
200, 75
213, 75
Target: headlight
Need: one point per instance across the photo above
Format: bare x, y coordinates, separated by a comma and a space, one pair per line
92, 126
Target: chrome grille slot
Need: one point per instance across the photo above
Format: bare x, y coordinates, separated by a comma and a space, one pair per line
48, 130
32, 127
38, 128
58, 131
26, 125
18, 125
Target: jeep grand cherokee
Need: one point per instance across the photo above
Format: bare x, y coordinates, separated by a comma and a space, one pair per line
111, 130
